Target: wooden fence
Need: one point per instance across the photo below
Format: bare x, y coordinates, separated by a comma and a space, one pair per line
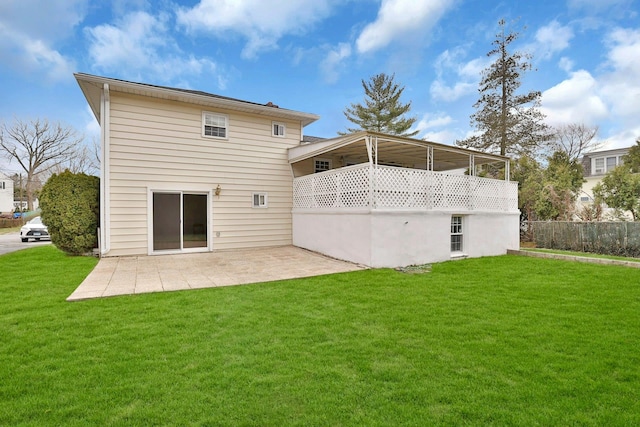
609, 238
8, 222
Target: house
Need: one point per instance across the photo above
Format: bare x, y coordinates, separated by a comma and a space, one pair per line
6, 193
187, 171
388, 201
595, 166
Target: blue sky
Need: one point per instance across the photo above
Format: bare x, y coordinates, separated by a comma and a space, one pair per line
311, 55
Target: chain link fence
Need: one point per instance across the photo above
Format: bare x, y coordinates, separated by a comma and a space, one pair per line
608, 238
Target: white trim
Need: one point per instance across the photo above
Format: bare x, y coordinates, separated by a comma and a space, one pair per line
226, 125
181, 192
281, 126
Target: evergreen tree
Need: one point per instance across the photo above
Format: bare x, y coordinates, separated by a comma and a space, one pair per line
632, 158
382, 110
563, 180
509, 123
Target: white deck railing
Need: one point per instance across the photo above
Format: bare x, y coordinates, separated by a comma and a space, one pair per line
393, 187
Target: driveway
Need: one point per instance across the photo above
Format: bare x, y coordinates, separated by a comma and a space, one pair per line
143, 274
11, 242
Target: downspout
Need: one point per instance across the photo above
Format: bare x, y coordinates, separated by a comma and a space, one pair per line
105, 187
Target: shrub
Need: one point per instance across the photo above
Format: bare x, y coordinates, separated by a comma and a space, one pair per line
70, 205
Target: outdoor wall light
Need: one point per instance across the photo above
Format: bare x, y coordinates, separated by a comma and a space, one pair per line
218, 190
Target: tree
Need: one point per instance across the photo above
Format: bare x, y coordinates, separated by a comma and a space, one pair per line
529, 175
563, 180
382, 110
509, 123
85, 160
632, 158
37, 146
620, 189
575, 139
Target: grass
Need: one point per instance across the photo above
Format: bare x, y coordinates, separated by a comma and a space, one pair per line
9, 230
582, 254
493, 341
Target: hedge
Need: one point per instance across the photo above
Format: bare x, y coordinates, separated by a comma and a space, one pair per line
70, 205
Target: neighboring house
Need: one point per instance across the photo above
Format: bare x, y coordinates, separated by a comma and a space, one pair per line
6, 193
595, 166
186, 171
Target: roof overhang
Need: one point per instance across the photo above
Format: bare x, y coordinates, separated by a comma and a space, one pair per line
92, 87
393, 150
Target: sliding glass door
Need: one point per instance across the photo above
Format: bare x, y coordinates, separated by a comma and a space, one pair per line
179, 221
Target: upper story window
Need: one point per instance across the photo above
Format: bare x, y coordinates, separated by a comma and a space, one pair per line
602, 165
278, 129
214, 124
322, 165
2, 187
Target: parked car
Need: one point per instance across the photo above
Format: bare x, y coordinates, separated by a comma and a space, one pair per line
17, 215
34, 229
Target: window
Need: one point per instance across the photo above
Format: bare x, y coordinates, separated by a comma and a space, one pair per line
2, 187
279, 129
456, 233
214, 125
602, 165
259, 200
322, 165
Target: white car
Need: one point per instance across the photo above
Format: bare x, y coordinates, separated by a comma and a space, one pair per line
34, 229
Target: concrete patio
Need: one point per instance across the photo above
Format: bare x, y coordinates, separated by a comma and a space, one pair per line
143, 274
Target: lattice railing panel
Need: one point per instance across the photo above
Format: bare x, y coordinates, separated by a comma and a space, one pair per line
340, 188
394, 187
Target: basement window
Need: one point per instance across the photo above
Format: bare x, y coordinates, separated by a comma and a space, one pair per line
456, 233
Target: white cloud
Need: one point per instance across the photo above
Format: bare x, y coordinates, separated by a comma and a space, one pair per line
30, 30
333, 62
566, 64
141, 43
439, 90
446, 136
429, 127
262, 23
621, 85
398, 19
91, 125
448, 65
611, 98
551, 39
574, 100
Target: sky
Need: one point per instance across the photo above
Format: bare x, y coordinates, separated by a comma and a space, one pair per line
312, 55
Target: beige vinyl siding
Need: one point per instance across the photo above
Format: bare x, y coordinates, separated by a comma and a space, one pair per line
159, 145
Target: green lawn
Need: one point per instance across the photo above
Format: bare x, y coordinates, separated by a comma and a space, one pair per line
494, 341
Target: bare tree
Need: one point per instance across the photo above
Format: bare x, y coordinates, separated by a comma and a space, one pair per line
86, 160
38, 146
575, 139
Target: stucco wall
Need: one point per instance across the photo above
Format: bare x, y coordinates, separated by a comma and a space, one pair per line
391, 238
